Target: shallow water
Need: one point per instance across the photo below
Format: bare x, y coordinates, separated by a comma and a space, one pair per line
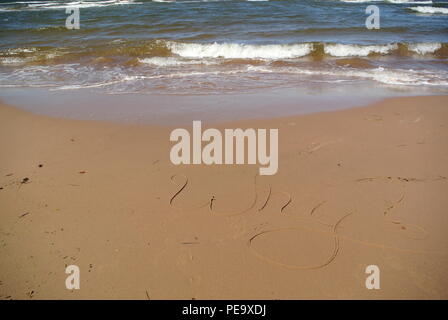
223, 47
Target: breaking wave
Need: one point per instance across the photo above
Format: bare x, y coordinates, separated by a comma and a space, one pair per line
347, 50
124, 66
53, 5
409, 1
391, 1
430, 10
169, 53
290, 51
424, 48
240, 51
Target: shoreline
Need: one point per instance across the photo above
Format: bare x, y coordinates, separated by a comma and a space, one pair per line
362, 186
163, 110
181, 110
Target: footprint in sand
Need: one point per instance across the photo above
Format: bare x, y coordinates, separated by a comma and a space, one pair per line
313, 147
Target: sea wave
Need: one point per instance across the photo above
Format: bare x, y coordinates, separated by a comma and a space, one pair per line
170, 53
240, 51
430, 10
358, 1
424, 48
52, 5
172, 61
391, 1
348, 50
383, 75
290, 51
122, 81
409, 2
165, 61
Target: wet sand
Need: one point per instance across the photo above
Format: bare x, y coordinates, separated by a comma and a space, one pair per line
358, 187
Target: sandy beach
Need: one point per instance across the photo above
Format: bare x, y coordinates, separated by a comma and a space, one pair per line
357, 187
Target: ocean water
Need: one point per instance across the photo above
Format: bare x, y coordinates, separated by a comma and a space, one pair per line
196, 47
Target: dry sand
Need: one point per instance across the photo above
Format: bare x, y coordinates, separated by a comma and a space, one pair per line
368, 186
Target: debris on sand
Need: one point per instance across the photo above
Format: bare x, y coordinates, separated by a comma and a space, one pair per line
25, 214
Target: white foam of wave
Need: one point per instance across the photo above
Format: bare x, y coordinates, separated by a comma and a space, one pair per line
390, 1
381, 75
259, 69
349, 50
119, 80
401, 77
12, 61
409, 1
133, 78
27, 85
21, 50
424, 48
429, 10
78, 4
87, 86
163, 62
359, 1
23, 2
11, 56
172, 61
192, 1
240, 51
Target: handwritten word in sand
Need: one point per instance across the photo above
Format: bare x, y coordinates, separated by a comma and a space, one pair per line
234, 142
